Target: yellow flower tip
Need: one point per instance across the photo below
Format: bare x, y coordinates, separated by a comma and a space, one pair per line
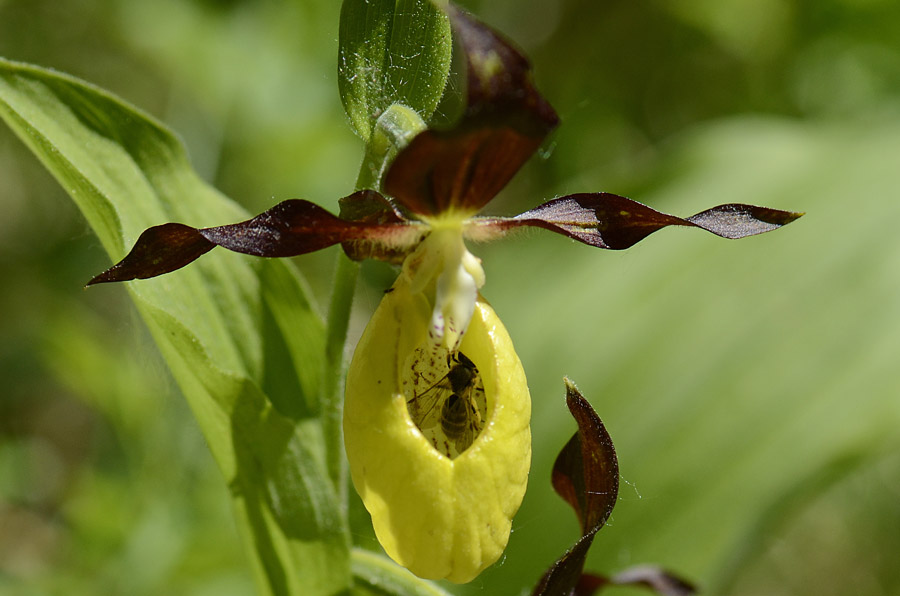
439, 442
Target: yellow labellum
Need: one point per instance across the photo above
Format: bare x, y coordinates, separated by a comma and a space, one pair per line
441, 506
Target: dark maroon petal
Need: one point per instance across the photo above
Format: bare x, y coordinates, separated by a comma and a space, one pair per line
651, 577
504, 122
371, 208
656, 579
297, 227
499, 81
367, 206
564, 576
736, 220
288, 229
586, 475
586, 472
461, 169
158, 250
590, 583
606, 220
291, 228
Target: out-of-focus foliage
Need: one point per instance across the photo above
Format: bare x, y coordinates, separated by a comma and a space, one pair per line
763, 460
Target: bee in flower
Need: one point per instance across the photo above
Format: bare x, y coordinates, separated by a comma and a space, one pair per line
450, 411
437, 408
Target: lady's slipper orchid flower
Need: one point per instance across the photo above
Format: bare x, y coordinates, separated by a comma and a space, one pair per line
437, 408
439, 445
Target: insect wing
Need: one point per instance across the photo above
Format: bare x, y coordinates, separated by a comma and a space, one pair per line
425, 405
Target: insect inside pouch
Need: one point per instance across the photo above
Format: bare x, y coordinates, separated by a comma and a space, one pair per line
445, 399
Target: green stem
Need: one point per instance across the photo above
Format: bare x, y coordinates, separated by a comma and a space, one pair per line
338, 321
394, 129
384, 576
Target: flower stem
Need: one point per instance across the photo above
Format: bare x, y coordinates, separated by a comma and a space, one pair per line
332, 408
394, 129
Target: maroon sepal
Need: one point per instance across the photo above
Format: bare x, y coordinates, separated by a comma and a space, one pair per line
371, 208
609, 221
586, 476
288, 229
158, 250
653, 578
504, 122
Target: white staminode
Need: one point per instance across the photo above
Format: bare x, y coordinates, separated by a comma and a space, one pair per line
442, 256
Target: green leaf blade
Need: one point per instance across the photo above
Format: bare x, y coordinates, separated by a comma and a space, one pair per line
375, 574
391, 51
127, 172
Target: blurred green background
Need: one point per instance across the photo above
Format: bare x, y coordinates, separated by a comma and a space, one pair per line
751, 387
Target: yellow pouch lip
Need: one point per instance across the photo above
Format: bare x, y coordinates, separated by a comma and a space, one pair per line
438, 517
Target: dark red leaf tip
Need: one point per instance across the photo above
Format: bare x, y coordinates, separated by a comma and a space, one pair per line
651, 577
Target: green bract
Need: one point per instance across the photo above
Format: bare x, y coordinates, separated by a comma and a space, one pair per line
381, 59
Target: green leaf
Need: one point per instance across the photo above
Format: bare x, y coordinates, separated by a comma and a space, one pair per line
391, 51
375, 574
223, 325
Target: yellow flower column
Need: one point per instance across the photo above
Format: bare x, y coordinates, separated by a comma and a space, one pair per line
439, 517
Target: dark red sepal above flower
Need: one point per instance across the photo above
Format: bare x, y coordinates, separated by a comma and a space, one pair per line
609, 221
288, 229
504, 122
586, 476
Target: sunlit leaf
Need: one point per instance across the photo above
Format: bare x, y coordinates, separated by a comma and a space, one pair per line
391, 51
380, 576
126, 173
